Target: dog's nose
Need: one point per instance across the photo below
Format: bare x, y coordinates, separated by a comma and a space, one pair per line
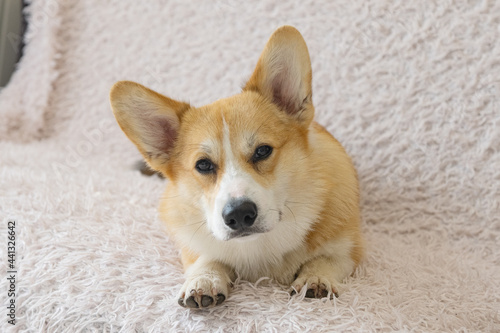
239, 214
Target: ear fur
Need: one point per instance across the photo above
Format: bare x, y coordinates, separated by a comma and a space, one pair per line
283, 74
150, 120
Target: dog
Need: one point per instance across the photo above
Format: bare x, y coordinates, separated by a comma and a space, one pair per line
256, 187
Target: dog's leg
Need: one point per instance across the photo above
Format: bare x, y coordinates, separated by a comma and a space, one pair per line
207, 284
322, 275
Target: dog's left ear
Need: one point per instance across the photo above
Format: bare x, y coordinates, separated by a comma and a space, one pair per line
283, 74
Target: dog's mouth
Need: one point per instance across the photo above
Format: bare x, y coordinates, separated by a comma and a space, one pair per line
245, 234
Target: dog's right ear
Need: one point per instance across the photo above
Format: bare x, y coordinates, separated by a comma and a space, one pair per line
150, 120
283, 74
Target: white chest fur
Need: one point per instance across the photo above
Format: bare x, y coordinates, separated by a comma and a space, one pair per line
277, 254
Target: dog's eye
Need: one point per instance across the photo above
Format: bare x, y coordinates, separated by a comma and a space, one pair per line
261, 153
205, 166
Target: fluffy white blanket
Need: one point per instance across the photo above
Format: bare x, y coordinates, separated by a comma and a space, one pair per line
411, 88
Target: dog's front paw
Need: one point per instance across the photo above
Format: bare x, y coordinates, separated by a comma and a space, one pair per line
317, 286
203, 291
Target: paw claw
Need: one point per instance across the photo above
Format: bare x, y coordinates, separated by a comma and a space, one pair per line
317, 287
323, 290
204, 290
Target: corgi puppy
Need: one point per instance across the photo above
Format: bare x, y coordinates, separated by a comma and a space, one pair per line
256, 187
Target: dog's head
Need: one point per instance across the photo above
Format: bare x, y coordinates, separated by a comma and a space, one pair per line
235, 159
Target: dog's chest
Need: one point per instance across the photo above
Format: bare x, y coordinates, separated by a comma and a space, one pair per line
282, 269
278, 255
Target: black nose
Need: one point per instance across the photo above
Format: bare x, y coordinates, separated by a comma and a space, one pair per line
238, 214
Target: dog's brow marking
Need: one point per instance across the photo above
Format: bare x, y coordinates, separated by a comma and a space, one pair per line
206, 149
251, 140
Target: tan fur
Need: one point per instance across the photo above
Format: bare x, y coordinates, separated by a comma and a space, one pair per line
187, 258
308, 166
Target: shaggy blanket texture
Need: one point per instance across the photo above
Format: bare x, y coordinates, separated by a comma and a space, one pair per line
411, 88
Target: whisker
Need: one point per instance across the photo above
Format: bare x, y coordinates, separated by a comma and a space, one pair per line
194, 223
201, 224
174, 196
291, 212
297, 202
